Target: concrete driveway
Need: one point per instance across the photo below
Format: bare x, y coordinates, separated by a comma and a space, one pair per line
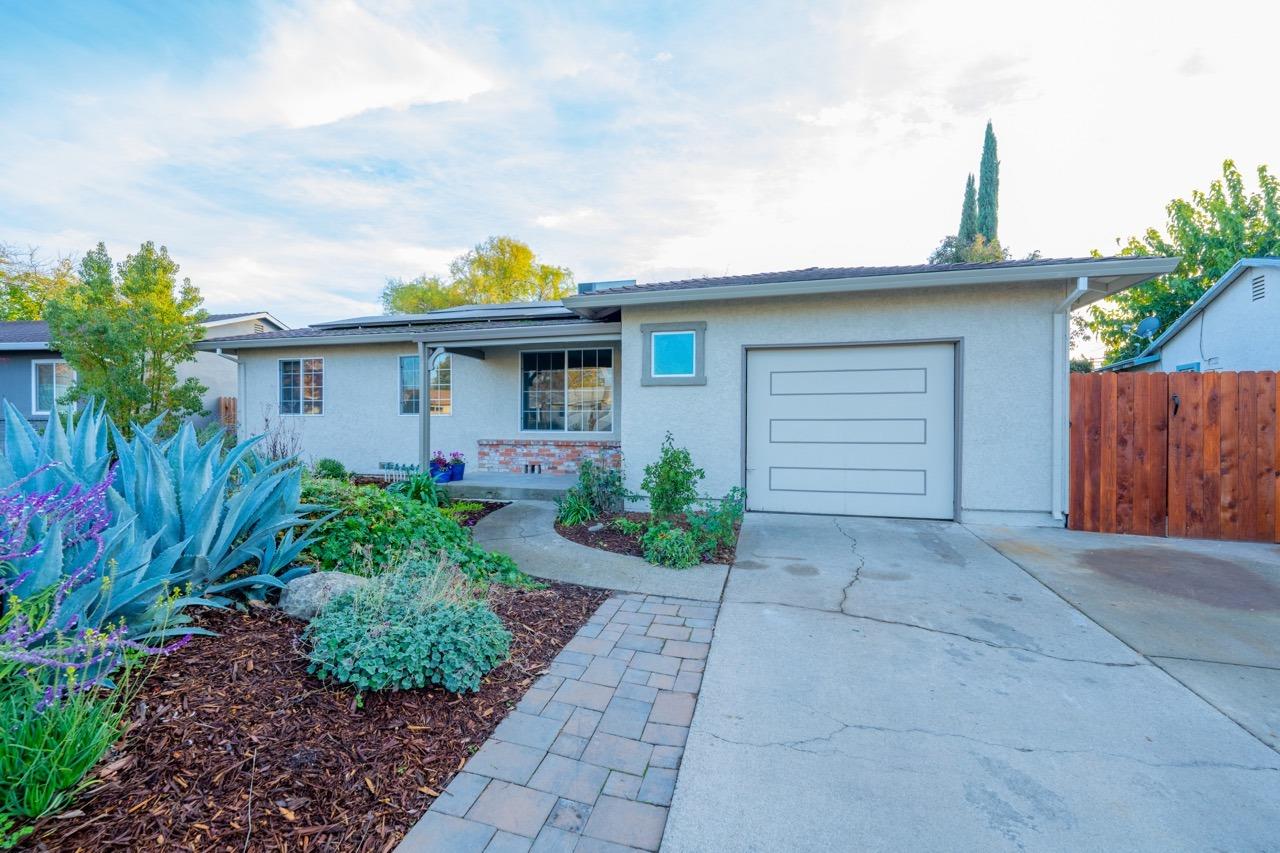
897, 685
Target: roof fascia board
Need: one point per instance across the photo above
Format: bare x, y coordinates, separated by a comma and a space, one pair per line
472, 337
261, 315
1143, 267
1136, 361
34, 346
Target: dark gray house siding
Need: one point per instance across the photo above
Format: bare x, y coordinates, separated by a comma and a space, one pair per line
15, 379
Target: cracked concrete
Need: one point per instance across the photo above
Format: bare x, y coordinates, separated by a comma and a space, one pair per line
919, 691
525, 531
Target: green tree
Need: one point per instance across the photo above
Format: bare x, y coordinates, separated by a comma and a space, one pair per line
1209, 232
501, 269
418, 296
968, 215
989, 188
27, 284
125, 329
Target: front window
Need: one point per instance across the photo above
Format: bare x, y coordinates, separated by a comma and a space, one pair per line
567, 390
302, 386
49, 381
440, 387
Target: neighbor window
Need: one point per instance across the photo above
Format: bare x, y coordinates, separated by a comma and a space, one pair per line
302, 386
440, 390
673, 353
567, 390
49, 381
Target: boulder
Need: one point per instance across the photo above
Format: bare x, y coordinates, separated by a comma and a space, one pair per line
306, 596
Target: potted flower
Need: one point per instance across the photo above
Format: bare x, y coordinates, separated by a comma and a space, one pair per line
457, 465
439, 467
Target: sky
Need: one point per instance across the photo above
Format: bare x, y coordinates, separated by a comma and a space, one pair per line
293, 156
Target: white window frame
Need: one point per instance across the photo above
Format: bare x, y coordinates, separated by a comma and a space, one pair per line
430, 385
653, 354
565, 431
324, 381
35, 384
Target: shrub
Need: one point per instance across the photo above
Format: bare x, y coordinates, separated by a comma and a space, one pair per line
330, 468
672, 481
420, 624
629, 527
716, 525
599, 490
667, 545
457, 510
421, 487
371, 528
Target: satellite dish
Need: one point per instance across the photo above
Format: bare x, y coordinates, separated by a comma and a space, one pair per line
1148, 327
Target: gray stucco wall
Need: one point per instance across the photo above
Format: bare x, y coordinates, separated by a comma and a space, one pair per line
15, 380
362, 425
1006, 446
1233, 332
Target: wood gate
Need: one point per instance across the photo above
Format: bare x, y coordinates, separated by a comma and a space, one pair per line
1176, 454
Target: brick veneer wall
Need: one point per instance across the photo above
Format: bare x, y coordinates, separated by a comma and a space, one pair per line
557, 455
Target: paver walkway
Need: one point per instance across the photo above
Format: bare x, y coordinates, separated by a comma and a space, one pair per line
587, 761
525, 531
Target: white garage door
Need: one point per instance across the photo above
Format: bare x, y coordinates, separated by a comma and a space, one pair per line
862, 430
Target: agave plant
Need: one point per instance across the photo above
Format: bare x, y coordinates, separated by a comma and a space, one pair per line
215, 521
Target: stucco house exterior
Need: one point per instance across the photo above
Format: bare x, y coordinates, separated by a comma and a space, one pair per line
1235, 325
917, 391
33, 375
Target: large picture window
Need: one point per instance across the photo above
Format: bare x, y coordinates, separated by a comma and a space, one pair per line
567, 390
49, 381
302, 386
440, 385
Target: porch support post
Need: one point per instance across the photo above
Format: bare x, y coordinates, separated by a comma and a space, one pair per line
424, 408
1061, 397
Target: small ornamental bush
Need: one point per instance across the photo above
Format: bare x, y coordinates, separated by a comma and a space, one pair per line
330, 468
572, 508
373, 528
421, 624
672, 481
629, 527
667, 545
423, 488
599, 490
716, 526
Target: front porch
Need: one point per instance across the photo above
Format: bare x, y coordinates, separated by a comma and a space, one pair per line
505, 486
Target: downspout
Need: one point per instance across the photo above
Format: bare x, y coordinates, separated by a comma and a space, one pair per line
1061, 395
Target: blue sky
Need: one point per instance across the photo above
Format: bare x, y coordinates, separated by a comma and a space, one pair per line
293, 156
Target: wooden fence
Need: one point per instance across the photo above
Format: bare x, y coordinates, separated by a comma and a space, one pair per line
1176, 454
227, 412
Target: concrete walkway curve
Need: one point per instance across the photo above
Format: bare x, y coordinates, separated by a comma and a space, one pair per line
525, 531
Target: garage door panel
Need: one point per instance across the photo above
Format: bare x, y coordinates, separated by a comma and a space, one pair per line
852, 430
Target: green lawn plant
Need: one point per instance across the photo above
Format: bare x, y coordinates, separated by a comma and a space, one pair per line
423, 623
371, 528
666, 544
672, 481
330, 468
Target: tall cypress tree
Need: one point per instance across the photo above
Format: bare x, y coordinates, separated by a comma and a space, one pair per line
988, 187
968, 215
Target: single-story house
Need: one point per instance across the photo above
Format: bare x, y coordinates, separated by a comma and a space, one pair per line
33, 375
914, 391
1232, 326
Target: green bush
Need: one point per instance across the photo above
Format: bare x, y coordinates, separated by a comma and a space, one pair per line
716, 525
629, 527
667, 545
599, 490
48, 750
421, 487
373, 528
672, 481
418, 625
329, 468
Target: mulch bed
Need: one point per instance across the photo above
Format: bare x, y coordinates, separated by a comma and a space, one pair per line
609, 538
236, 748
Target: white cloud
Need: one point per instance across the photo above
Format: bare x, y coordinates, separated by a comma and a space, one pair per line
567, 219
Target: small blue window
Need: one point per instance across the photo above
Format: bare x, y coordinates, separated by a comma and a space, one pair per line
1192, 367
674, 353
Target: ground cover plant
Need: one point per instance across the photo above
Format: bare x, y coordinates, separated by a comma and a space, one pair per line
680, 531
234, 745
370, 528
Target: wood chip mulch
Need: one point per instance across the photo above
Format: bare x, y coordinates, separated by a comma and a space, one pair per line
235, 747
609, 538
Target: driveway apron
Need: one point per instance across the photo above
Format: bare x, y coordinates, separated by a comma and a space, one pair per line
898, 685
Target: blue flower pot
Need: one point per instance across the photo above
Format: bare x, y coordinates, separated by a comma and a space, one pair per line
456, 470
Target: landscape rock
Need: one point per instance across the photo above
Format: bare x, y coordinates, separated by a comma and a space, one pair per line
596, 528
306, 596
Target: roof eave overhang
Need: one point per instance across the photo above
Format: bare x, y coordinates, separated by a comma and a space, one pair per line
31, 346
468, 337
1125, 272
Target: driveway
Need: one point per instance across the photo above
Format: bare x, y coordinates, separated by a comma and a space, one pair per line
897, 685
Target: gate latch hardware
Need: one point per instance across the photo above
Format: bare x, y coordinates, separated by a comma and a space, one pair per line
1176, 403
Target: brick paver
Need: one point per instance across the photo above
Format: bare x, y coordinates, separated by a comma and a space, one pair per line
589, 758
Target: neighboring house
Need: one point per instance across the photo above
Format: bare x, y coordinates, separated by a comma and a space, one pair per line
33, 375
1234, 325
921, 391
